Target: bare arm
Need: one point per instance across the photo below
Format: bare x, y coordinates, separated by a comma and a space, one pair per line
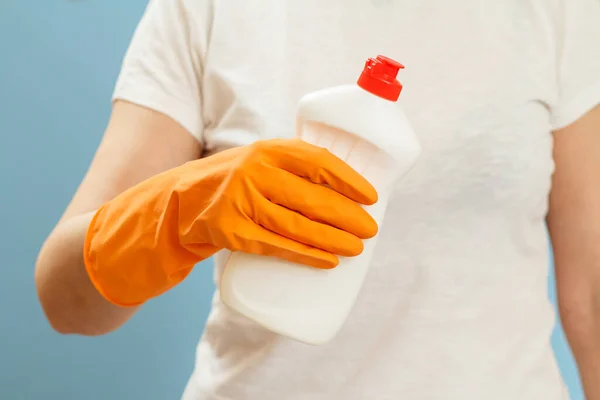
138, 143
574, 223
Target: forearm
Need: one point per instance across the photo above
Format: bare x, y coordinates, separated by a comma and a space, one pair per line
577, 263
583, 333
70, 301
589, 370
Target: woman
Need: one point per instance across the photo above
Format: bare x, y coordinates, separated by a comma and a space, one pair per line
504, 98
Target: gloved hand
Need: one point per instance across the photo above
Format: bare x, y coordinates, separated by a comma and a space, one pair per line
283, 198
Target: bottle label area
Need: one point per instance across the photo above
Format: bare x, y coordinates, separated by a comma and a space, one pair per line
365, 158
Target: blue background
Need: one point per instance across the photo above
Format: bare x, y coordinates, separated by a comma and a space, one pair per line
58, 64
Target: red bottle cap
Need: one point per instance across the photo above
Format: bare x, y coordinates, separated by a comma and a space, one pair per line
379, 78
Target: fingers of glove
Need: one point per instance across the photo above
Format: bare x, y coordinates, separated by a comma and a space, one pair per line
299, 228
317, 202
258, 240
320, 166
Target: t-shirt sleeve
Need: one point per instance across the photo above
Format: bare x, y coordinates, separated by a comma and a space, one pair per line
578, 61
162, 67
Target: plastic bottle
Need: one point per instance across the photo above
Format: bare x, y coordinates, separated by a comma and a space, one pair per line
363, 125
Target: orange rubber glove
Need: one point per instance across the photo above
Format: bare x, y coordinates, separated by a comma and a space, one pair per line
282, 198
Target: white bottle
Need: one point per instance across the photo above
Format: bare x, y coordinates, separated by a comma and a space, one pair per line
363, 125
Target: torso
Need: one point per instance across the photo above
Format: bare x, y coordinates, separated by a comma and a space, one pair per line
455, 304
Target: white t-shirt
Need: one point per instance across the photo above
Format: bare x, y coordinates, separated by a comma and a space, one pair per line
455, 304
